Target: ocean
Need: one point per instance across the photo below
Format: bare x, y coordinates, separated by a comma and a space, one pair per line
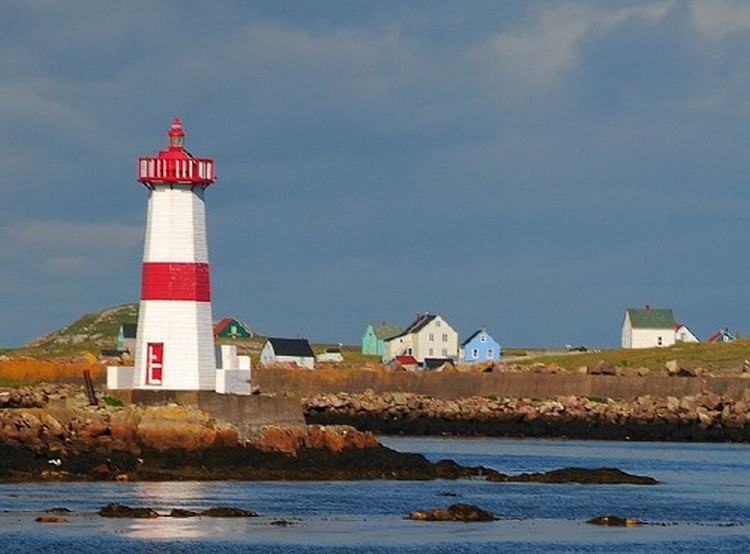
702, 504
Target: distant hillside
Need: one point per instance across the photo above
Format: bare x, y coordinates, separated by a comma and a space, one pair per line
92, 330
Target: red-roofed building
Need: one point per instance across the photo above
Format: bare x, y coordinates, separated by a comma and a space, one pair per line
232, 329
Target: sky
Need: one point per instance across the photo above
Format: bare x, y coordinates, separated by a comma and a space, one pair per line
534, 167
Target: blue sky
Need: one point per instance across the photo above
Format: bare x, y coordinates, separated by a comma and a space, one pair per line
535, 167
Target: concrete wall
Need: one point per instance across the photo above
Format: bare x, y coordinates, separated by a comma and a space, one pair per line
456, 385
249, 413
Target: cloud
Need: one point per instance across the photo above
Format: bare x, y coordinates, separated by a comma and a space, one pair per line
720, 18
50, 249
533, 59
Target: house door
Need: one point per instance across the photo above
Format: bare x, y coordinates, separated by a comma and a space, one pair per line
154, 362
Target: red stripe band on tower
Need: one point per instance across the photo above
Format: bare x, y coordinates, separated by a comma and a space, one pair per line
175, 281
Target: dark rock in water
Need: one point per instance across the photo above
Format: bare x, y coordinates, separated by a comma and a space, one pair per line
454, 512
119, 510
51, 519
598, 476
226, 511
179, 512
58, 510
469, 512
282, 522
445, 493
614, 521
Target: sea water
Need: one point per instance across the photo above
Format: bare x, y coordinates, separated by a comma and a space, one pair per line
701, 504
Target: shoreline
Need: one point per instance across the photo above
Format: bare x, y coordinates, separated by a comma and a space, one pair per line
72, 441
706, 417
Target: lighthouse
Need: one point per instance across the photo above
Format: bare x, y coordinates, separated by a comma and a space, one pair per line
175, 347
174, 339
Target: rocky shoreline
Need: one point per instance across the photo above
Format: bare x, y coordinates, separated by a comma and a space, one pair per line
50, 433
706, 417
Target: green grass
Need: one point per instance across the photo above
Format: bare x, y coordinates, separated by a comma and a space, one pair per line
710, 356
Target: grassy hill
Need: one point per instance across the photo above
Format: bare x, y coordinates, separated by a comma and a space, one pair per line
97, 331
704, 355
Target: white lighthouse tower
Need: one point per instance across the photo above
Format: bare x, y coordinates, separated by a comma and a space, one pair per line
174, 340
175, 348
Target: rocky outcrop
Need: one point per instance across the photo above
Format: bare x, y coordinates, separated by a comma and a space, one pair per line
705, 417
586, 476
179, 442
454, 512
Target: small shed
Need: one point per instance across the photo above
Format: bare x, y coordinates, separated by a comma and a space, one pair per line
288, 351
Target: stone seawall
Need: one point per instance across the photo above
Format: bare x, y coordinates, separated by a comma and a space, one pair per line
498, 384
706, 417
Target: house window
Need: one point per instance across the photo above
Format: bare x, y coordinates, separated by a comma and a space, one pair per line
445, 337
490, 354
431, 352
482, 338
445, 351
474, 353
658, 341
437, 323
430, 337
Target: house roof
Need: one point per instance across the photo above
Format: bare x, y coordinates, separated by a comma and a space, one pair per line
722, 335
474, 334
650, 318
291, 347
385, 330
407, 359
226, 322
419, 323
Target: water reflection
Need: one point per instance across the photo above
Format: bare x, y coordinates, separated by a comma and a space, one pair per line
163, 497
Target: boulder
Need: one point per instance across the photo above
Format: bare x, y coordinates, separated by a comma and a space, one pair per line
614, 521
228, 511
119, 510
454, 512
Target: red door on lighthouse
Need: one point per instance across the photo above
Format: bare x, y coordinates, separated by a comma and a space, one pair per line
154, 363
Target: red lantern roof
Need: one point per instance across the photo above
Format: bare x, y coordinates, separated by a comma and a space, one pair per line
175, 165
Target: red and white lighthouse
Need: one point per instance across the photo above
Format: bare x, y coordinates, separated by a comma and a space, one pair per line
175, 343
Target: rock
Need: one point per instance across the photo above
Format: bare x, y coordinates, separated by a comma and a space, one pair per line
614, 521
455, 512
602, 368
227, 511
119, 510
180, 513
605, 475
282, 523
51, 519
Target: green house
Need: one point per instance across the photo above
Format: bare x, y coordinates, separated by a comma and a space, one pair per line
230, 328
374, 336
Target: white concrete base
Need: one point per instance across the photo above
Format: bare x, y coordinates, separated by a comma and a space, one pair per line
233, 381
121, 377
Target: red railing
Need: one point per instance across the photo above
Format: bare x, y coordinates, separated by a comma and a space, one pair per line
173, 170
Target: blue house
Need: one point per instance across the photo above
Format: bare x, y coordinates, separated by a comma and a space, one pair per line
479, 347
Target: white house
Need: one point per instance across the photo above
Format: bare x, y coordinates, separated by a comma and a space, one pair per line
683, 334
648, 327
294, 351
429, 336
